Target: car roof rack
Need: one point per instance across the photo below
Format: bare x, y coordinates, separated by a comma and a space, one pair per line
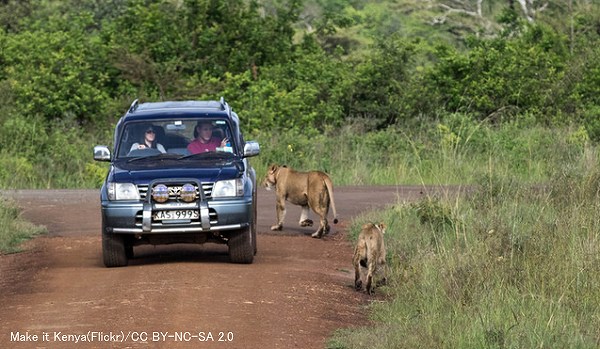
225, 106
134, 106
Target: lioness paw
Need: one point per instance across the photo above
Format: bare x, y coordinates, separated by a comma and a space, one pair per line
317, 234
276, 227
306, 223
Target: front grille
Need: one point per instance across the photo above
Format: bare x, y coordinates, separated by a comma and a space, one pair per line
174, 203
143, 190
206, 188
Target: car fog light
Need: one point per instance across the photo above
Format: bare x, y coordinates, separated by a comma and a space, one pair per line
160, 193
188, 193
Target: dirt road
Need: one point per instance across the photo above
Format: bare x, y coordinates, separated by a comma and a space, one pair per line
57, 294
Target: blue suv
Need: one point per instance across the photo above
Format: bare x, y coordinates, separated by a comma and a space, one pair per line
179, 173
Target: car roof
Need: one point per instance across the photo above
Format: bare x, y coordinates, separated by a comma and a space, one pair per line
180, 109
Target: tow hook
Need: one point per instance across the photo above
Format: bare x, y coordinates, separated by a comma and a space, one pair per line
219, 235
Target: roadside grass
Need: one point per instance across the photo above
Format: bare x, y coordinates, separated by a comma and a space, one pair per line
456, 150
38, 154
509, 265
13, 229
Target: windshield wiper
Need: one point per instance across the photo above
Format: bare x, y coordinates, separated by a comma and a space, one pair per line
154, 157
208, 155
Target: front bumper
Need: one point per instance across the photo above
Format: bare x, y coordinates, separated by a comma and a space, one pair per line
135, 217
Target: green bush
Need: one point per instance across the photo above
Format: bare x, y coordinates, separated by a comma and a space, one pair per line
41, 155
495, 78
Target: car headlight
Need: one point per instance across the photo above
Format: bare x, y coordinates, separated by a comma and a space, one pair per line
123, 191
229, 188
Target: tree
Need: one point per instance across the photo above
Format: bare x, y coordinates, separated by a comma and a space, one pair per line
57, 72
500, 77
163, 46
381, 85
531, 8
12, 11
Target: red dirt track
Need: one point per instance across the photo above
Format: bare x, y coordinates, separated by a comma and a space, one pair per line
295, 294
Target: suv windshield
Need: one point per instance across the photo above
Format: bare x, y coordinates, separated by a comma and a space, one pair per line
179, 137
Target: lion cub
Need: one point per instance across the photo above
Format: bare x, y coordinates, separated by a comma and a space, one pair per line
370, 253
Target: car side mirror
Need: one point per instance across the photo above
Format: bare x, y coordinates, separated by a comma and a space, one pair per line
101, 153
251, 148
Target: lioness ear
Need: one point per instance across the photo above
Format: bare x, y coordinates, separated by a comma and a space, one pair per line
382, 226
273, 168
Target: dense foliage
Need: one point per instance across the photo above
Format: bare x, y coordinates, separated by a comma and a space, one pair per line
68, 69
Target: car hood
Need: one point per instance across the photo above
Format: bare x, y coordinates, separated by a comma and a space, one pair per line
204, 173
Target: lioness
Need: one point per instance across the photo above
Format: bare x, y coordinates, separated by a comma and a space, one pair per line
312, 189
370, 253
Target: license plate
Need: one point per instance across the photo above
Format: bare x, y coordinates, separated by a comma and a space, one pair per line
175, 215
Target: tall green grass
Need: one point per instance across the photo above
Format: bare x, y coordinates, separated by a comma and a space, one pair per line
455, 150
37, 154
14, 230
509, 265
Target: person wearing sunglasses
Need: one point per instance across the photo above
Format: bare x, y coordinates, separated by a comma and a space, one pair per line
149, 141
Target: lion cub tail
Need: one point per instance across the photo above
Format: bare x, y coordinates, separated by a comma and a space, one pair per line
329, 186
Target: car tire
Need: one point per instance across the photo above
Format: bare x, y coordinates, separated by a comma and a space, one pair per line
254, 247
253, 227
114, 250
241, 248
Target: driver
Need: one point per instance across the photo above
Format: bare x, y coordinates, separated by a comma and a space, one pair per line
204, 140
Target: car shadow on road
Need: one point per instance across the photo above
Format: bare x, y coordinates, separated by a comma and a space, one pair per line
176, 253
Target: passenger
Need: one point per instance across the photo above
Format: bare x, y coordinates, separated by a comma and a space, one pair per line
149, 141
204, 140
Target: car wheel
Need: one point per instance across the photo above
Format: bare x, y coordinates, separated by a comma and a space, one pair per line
254, 247
241, 248
114, 250
253, 227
